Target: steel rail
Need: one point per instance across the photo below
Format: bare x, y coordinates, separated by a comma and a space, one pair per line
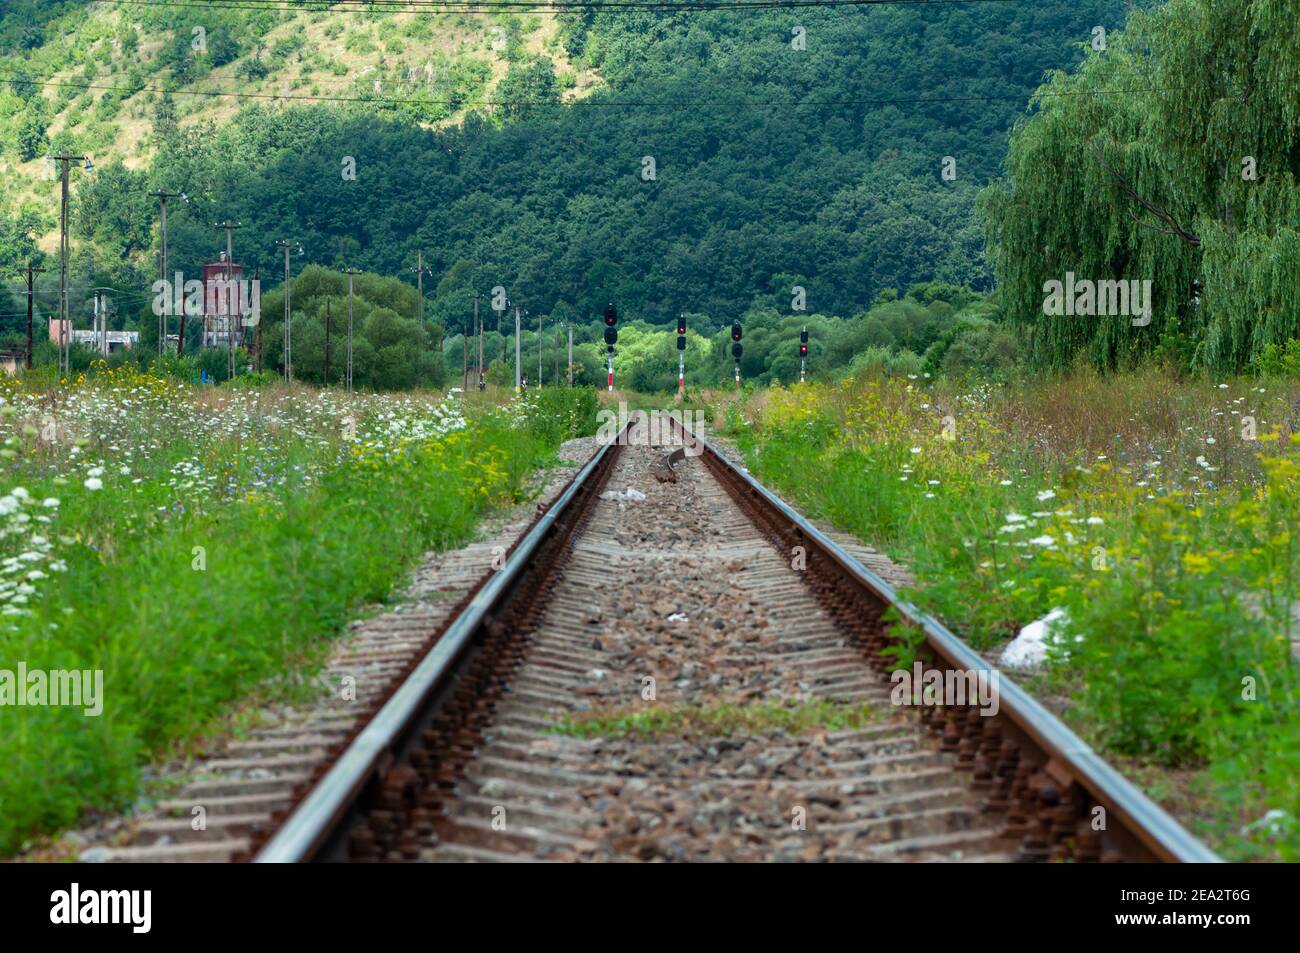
313, 819
1147, 821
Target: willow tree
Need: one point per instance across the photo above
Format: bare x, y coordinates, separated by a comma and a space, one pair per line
1172, 156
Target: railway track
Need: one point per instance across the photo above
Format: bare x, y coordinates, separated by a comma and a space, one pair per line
674, 665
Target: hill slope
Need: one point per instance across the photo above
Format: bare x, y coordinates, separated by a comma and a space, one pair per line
725, 157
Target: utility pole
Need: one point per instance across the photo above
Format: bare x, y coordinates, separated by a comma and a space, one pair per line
65, 321
519, 389
419, 284
180, 331
570, 353
257, 277
464, 360
351, 272
500, 339
162, 195
539, 352
478, 330
286, 244
482, 377
31, 297
101, 320
327, 342
234, 306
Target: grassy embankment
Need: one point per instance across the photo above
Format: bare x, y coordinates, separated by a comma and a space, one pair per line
202, 546
1161, 514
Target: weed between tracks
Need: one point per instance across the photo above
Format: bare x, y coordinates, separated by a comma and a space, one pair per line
715, 720
201, 546
1159, 513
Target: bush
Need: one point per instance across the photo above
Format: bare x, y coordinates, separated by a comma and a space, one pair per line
1280, 360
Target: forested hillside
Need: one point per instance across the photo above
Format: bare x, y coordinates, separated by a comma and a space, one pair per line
723, 157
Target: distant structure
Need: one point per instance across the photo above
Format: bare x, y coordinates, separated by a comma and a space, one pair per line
102, 340
223, 305
11, 360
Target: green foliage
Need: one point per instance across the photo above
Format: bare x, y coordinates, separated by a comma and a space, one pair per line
1138, 165
390, 350
29, 137
318, 528
527, 89
18, 233
654, 721
1178, 577
1280, 360
839, 193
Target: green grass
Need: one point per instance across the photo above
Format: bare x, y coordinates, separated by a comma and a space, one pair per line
238, 595
1132, 502
717, 720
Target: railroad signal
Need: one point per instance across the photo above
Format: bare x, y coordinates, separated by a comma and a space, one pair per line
736, 349
681, 354
611, 338
803, 352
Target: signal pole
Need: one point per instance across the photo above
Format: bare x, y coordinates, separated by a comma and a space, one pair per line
31, 297
162, 195
65, 322
570, 354
681, 355
803, 351
611, 338
518, 367
736, 349
351, 273
539, 352
229, 228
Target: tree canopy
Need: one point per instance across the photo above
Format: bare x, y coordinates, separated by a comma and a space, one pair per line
1171, 156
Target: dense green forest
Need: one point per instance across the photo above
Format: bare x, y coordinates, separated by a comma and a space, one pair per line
773, 166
